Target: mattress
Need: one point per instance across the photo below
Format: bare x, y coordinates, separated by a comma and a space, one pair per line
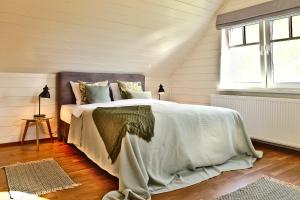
66, 112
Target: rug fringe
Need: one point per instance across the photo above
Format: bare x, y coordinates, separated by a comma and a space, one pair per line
282, 182
57, 189
29, 162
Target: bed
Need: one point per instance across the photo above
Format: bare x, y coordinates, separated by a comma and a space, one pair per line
191, 143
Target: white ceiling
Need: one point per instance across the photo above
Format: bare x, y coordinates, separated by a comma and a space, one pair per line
145, 36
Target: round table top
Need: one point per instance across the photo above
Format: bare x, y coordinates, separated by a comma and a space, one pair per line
37, 118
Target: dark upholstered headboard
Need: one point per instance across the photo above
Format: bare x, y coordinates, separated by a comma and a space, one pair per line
64, 93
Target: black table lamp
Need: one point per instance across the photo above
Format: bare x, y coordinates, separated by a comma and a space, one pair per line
160, 90
44, 94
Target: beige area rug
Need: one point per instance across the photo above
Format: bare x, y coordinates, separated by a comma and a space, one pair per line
37, 178
265, 188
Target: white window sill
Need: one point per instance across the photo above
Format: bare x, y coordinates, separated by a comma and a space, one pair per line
261, 90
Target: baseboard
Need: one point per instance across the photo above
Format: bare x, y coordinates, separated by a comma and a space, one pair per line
43, 140
275, 145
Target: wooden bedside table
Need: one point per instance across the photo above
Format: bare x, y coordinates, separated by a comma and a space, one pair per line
38, 124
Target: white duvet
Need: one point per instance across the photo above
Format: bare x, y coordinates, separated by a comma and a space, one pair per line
191, 143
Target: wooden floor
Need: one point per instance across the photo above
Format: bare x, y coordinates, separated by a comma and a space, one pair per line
278, 163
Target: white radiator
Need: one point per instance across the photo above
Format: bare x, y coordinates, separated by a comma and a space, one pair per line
275, 120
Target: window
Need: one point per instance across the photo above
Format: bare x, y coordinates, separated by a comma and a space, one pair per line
242, 56
262, 55
285, 48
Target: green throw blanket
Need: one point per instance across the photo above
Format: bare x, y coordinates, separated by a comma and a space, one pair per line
114, 122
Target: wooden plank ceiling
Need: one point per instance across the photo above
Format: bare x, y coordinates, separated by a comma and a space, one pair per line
147, 36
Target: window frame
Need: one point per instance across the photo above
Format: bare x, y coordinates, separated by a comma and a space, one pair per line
269, 54
266, 59
244, 34
226, 47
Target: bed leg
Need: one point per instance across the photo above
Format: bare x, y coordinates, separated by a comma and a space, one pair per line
65, 132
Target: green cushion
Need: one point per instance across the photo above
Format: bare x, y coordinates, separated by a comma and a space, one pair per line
97, 94
139, 95
83, 92
126, 87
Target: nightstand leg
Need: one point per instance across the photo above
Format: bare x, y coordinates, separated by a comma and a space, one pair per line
25, 131
37, 130
49, 129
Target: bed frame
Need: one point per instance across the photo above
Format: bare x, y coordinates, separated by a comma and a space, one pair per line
64, 93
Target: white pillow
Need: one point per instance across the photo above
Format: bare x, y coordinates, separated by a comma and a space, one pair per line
76, 91
115, 91
140, 95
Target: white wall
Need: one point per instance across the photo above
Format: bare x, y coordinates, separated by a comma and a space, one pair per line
197, 78
18, 100
151, 37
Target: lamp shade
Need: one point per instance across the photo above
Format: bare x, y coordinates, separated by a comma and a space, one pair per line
161, 89
45, 93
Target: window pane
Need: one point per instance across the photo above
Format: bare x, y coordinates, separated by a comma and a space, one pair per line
280, 28
286, 61
236, 36
296, 26
252, 33
245, 64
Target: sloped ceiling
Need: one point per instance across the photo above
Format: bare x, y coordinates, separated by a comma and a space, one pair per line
144, 36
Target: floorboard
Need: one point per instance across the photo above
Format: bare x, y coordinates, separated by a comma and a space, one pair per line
277, 162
